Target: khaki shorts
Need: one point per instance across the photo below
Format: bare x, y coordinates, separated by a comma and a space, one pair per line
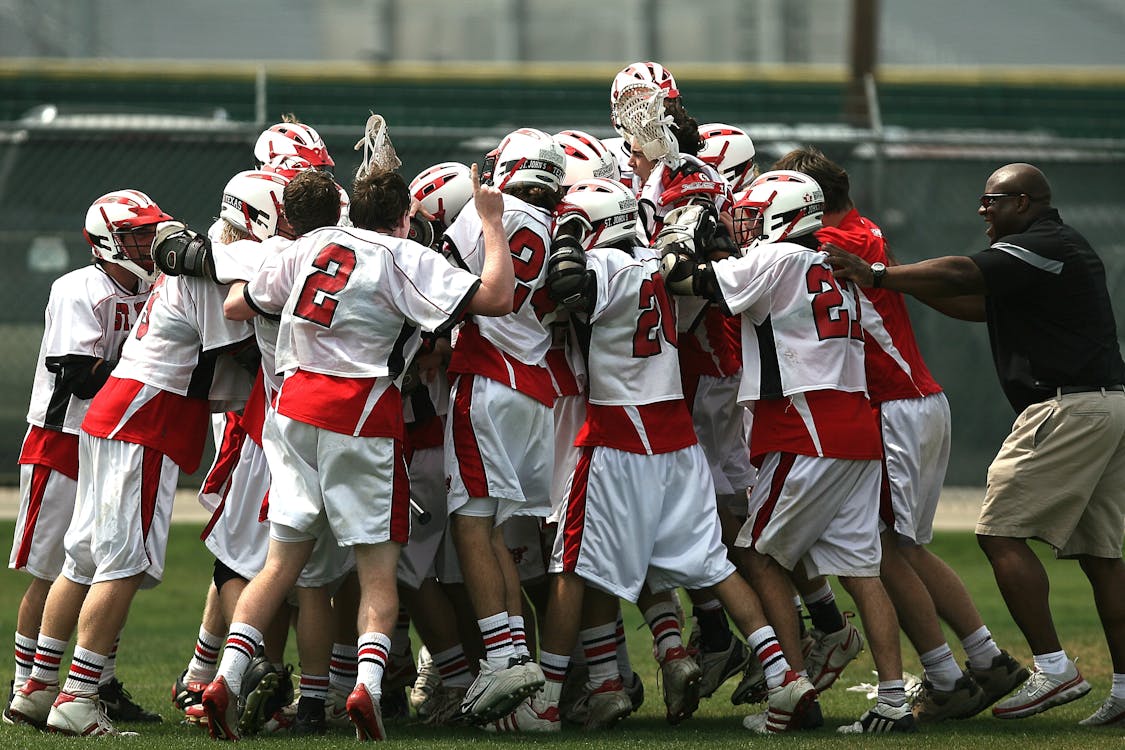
1060, 476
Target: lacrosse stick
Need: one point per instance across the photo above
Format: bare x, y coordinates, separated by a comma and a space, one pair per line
378, 153
640, 110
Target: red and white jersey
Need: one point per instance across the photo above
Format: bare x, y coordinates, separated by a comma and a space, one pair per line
654, 201
88, 314
887, 380
523, 334
635, 400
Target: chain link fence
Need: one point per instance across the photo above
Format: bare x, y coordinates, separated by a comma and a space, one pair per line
920, 187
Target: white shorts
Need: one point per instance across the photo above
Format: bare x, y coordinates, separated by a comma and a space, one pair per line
46, 507
722, 435
631, 518
569, 415
823, 511
122, 511
916, 453
328, 562
524, 543
355, 488
427, 489
235, 536
499, 443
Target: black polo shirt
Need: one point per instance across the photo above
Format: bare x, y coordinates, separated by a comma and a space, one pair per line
1048, 311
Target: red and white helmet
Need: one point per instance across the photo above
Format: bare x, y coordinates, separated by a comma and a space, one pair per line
586, 157
646, 72
443, 190
611, 208
731, 151
292, 139
120, 227
253, 202
528, 157
779, 206
287, 165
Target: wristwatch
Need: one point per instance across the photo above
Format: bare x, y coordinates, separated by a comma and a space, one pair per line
878, 271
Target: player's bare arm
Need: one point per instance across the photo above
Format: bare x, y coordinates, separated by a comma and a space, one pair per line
497, 289
236, 307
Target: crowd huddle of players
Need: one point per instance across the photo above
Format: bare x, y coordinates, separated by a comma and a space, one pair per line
493, 403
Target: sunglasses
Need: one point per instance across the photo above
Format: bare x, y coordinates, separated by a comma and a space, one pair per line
988, 199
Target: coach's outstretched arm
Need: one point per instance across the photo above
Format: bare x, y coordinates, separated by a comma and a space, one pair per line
496, 292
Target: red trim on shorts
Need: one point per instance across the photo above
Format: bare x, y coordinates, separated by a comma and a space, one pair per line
229, 449
39, 477
254, 412
264, 511
470, 463
575, 522
777, 483
400, 497
214, 518
53, 448
151, 463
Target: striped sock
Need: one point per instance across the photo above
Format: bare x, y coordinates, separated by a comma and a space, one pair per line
25, 658
763, 642
892, 692
373, 650
242, 642
599, 643
85, 671
314, 686
624, 666
48, 656
205, 661
519, 635
497, 636
343, 667
554, 668
453, 667
980, 648
109, 673
665, 627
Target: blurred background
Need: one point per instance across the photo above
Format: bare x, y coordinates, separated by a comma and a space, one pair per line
919, 100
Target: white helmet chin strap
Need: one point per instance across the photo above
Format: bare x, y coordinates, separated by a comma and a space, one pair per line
378, 152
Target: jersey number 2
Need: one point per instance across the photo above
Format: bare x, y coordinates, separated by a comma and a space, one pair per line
334, 265
656, 312
832, 318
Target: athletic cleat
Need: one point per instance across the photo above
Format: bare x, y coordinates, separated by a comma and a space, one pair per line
882, 719
265, 691
720, 666
1042, 691
394, 704
606, 705
680, 676
186, 693
222, 709
425, 684
195, 716
574, 687
7, 715
365, 715
635, 689
792, 706
965, 700
310, 720
1111, 714
495, 693
752, 687
831, 653
1002, 677
444, 706
120, 706
32, 703
81, 716
529, 716
336, 709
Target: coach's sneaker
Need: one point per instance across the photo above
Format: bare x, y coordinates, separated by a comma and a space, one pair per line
964, 700
120, 706
531, 715
882, 718
187, 693
425, 683
32, 702
831, 653
222, 709
792, 705
1043, 690
365, 715
1002, 677
680, 676
1111, 714
720, 666
496, 692
752, 687
81, 716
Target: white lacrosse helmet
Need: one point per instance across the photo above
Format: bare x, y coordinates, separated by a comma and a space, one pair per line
529, 157
586, 157
647, 72
292, 139
443, 190
252, 202
612, 209
779, 206
112, 225
731, 151
287, 165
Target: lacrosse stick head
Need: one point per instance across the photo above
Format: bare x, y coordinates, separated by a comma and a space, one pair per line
640, 111
378, 152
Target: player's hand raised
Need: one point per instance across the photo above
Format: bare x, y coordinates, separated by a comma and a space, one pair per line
488, 200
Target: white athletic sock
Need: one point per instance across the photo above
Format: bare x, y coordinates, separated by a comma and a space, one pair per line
941, 668
980, 649
1052, 663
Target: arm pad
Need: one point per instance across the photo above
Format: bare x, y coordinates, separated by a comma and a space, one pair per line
569, 282
685, 276
178, 251
81, 375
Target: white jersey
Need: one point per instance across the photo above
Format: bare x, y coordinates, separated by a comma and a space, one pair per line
89, 315
653, 205
804, 331
351, 301
523, 333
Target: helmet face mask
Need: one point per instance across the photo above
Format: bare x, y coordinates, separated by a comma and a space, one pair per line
121, 226
611, 208
780, 205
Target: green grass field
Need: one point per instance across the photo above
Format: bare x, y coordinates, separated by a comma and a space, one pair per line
161, 633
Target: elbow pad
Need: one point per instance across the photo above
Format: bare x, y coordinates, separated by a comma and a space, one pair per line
569, 282
178, 251
683, 275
